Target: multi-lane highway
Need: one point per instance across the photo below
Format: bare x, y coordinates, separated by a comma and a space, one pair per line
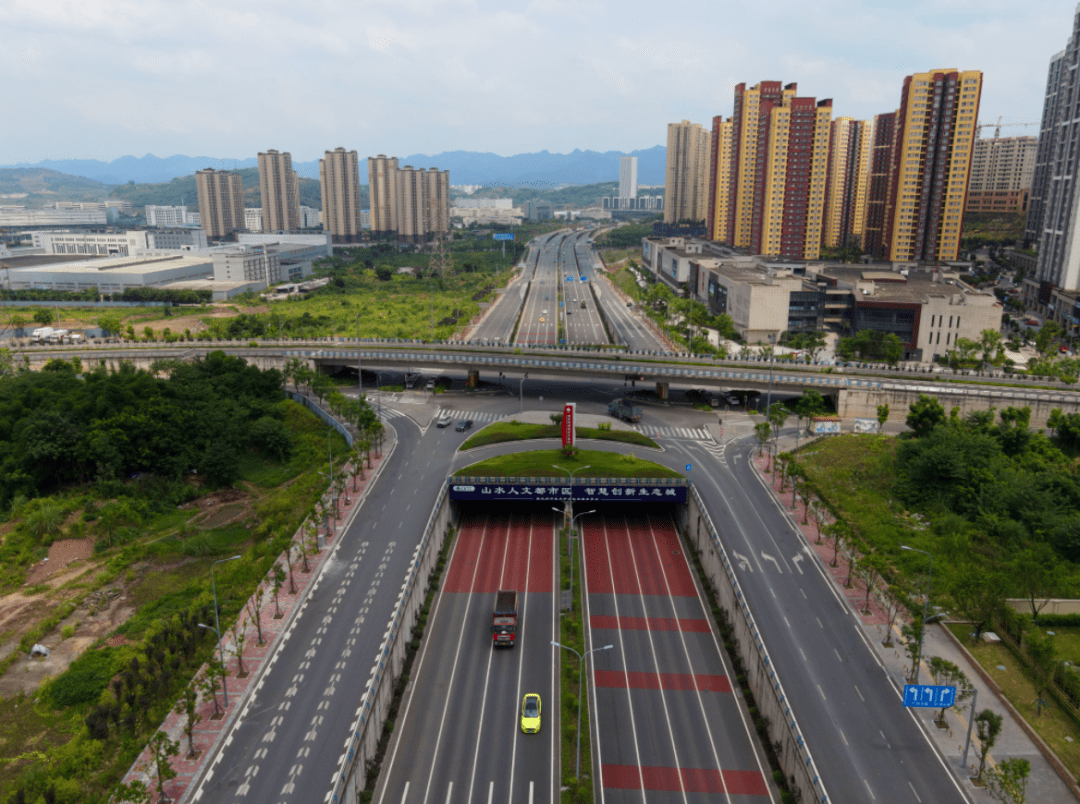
583, 324
458, 737
666, 727
667, 723
539, 323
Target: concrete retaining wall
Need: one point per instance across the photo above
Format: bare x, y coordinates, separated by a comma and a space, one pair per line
375, 704
794, 754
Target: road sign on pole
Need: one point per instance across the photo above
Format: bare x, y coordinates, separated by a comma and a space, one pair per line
929, 696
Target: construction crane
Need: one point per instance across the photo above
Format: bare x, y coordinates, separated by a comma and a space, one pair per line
998, 126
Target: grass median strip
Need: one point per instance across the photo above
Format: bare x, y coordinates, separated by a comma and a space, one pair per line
500, 432
571, 633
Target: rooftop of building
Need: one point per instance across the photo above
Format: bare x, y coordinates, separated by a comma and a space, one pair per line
912, 285
147, 262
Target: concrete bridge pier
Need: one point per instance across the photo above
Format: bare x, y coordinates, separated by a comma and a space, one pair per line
661, 390
474, 378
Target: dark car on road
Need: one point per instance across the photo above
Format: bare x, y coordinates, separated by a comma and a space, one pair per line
463, 425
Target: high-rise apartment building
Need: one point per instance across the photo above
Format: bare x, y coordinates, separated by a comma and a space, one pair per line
1054, 209
382, 192
931, 163
687, 174
221, 202
878, 184
1001, 173
628, 177
410, 202
280, 191
339, 177
847, 183
776, 171
720, 164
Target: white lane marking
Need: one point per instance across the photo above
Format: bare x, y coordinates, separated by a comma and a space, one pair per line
405, 793
860, 693
531, 792
523, 607
871, 792
491, 791
449, 792
909, 784
768, 557
819, 689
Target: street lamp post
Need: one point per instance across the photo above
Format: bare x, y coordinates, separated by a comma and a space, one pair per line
795, 468
570, 549
581, 668
521, 393
926, 604
772, 358
217, 630
359, 376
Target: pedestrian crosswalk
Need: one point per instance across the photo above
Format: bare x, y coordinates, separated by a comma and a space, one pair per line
694, 433
477, 416
390, 413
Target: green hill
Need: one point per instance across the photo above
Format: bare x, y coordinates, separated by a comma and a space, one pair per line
182, 191
44, 186
577, 195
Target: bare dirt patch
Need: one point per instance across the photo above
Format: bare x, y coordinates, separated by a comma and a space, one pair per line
61, 553
221, 508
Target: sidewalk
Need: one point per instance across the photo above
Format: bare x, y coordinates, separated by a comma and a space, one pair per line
1044, 784
209, 732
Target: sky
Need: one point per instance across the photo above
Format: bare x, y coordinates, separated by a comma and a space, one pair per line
99, 79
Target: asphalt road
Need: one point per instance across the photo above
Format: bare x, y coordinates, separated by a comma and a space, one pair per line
581, 318
288, 742
458, 735
498, 325
542, 301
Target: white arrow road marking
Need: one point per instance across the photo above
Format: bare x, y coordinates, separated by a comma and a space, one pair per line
795, 559
768, 557
744, 562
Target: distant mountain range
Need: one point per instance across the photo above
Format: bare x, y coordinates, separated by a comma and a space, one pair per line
543, 170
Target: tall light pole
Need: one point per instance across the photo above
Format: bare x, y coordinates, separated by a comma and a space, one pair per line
926, 604
359, 376
570, 549
217, 630
581, 668
795, 460
772, 358
521, 393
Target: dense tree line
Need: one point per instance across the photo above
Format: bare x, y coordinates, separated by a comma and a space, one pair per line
1011, 487
57, 427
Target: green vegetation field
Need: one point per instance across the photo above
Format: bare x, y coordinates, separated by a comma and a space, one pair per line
517, 431
107, 458
541, 464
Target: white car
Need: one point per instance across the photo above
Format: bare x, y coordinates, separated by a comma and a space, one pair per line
444, 420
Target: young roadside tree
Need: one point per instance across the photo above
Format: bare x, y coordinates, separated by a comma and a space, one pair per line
239, 636
891, 601
912, 636
289, 558
988, 727
254, 607
162, 749
762, 430
277, 579
882, 414
1043, 654
188, 706
870, 571
947, 674
208, 684
1008, 781
1038, 573
979, 596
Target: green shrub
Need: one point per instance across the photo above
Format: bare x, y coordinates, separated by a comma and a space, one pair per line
84, 680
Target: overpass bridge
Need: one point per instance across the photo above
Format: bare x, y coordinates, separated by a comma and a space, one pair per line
855, 391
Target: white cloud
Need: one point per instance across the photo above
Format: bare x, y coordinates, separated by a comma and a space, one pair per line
232, 77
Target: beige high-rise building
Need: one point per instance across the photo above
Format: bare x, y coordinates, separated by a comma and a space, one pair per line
720, 179
382, 192
339, 177
846, 186
409, 201
931, 162
1001, 174
279, 188
221, 202
438, 197
776, 169
686, 187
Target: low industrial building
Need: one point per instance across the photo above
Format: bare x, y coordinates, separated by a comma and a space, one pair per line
118, 243
111, 274
927, 307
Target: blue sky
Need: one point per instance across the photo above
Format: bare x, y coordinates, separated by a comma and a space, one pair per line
104, 78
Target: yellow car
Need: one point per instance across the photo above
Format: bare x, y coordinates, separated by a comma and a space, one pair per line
542, 320
530, 713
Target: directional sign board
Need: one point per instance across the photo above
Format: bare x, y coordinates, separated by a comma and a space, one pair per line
508, 236
929, 696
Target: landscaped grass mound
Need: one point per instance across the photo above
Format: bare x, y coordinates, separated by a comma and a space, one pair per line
517, 431
542, 463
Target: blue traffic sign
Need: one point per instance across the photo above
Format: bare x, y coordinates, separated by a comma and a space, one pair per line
929, 696
509, 236
689, 466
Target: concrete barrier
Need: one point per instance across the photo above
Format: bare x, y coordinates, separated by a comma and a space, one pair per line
784, 732
363, 738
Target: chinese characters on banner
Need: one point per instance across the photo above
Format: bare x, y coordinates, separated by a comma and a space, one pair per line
517, 491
